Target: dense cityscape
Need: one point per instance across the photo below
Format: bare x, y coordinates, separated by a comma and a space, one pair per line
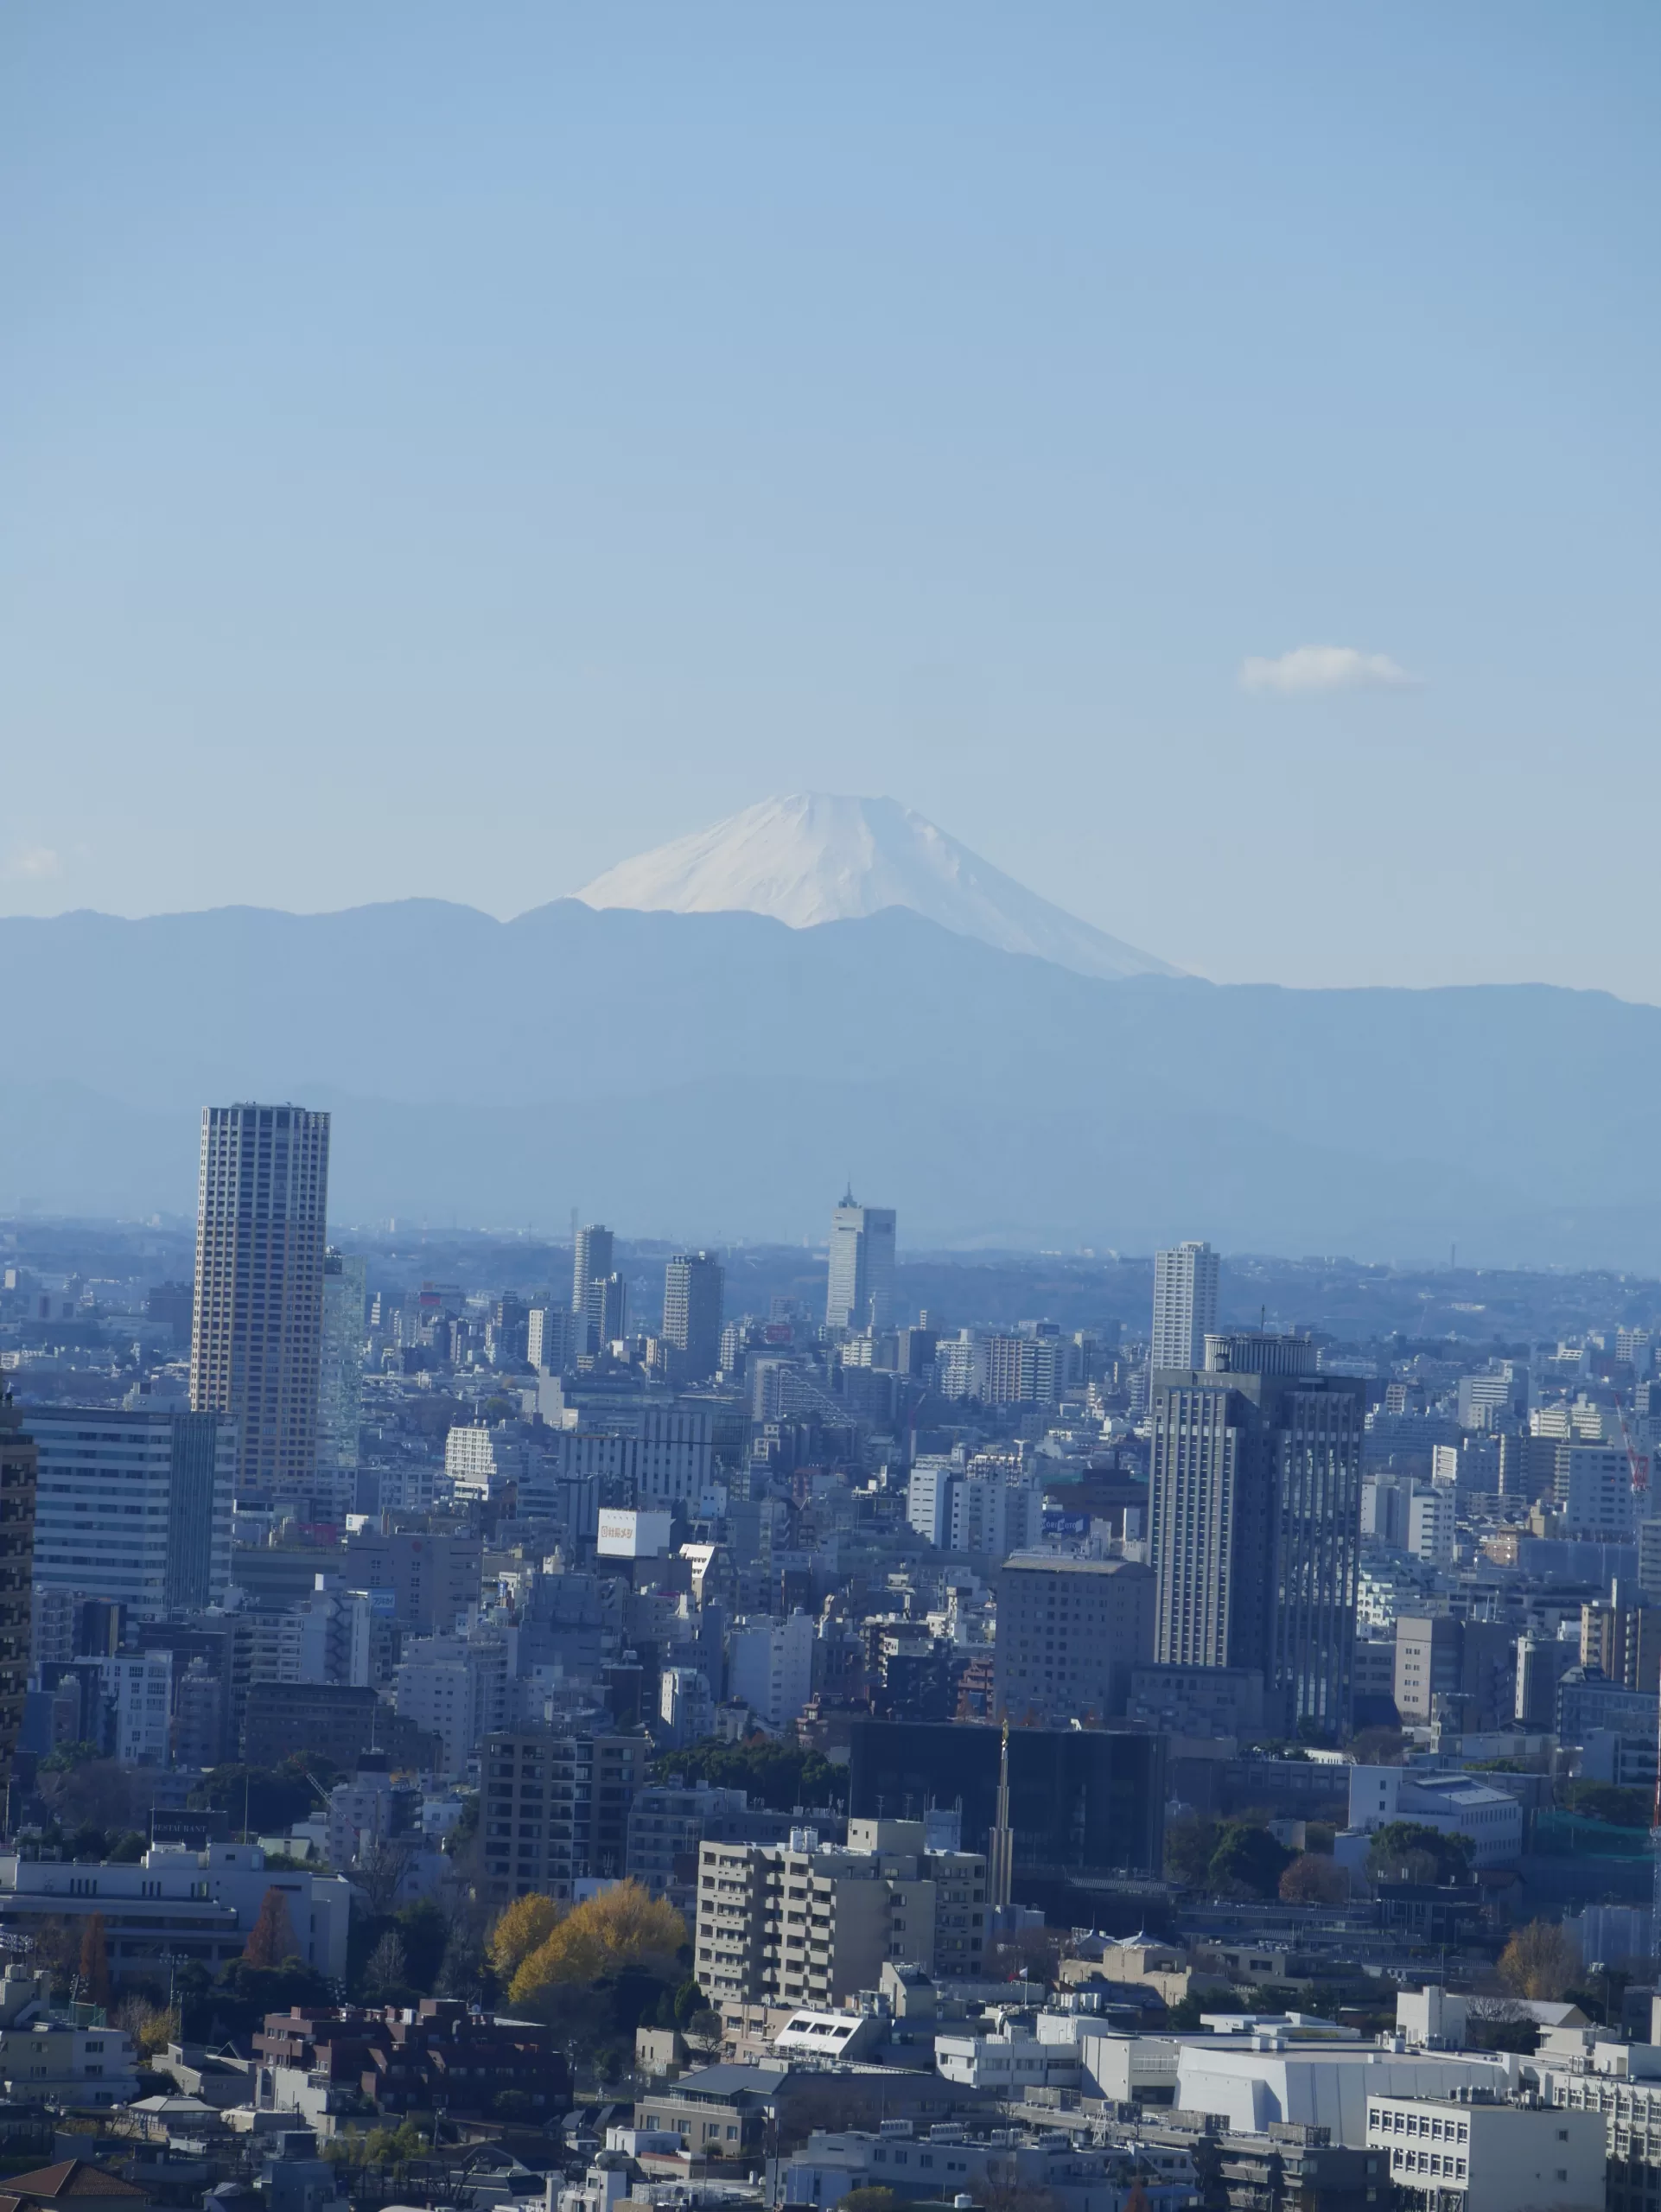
611, 1718
830, 1163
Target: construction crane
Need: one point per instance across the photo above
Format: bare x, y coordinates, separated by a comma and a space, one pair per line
1637, 1461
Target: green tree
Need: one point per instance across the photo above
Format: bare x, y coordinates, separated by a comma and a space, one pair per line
1603, 1801
239, 1999
1185, 2014
269, 1799
425, 1934
64, 1759
1190, 1840
1409, 1851
777, 1774
1247, 1862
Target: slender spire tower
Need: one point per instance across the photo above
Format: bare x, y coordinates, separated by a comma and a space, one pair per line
1001, 1844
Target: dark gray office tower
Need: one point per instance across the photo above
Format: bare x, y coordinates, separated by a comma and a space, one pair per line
18, 1475
134, 1506
1255, 1508
596, 1306
694, 1285
256, 1344
592, 1257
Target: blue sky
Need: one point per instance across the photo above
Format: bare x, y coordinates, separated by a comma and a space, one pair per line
447, 448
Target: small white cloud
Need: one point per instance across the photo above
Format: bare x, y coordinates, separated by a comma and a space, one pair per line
1325, 668
32, 862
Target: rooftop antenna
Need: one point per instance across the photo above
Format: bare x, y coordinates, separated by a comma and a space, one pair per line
1001, 1844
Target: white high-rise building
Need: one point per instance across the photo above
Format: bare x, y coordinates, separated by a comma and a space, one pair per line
257, 1332
770, 1668
549, 1339
1430, 1524
859, 1294
340, 1381
454, 1687
1185, 1305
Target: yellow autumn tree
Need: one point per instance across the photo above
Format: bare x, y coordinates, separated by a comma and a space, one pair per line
523, 1927
624, 1926
1541, 1961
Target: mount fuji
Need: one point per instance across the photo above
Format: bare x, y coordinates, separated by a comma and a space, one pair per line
811, 858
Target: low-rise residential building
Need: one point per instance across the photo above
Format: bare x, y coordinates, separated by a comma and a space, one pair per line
1481, 2155
735, 2110
1252, 2076
44, 2055
1582, 2071
1454, 1804
1009, 2062
720, 2112
943, 2162
370, 1809
415, 2058
194, 1904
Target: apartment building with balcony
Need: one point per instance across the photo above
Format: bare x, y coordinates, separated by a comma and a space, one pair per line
804, 1922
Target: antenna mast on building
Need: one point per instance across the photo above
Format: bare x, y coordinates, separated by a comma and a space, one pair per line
1001, 1844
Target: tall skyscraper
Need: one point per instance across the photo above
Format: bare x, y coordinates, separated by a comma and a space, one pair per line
595, 1306
1255, 1507
256, 1346
859, 1294
693, 1285
1185, 1305
340, 1388
134, 1506
17, 1469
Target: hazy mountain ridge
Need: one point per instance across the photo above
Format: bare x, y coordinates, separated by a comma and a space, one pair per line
704, 1074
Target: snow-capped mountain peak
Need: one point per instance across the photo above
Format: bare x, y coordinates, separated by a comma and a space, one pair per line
811, 858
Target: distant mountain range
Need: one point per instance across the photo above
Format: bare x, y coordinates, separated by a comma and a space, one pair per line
723, 1074
811, 858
